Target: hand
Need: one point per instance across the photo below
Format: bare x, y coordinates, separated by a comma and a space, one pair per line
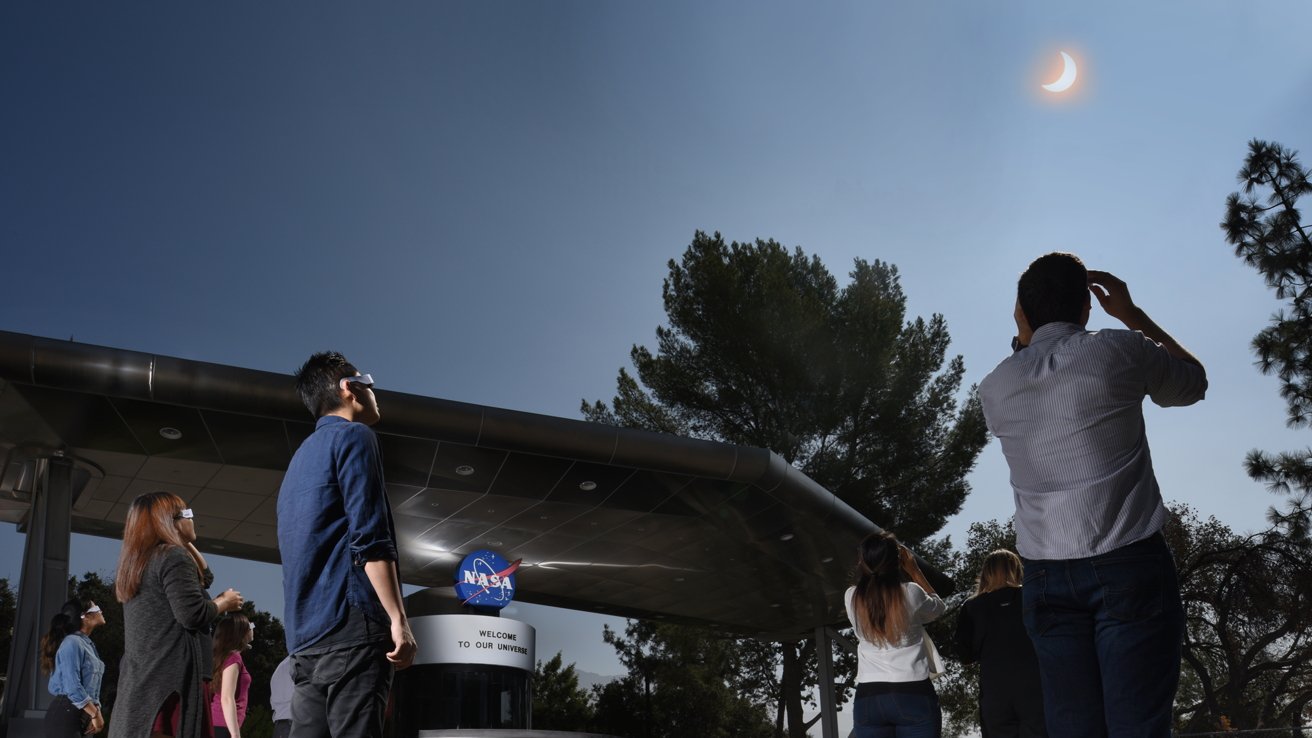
1023, 331
404, 653
905, 558
229, 601
1113, 295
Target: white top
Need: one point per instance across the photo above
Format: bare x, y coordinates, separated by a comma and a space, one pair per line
1068, 411
905, 661
280, 690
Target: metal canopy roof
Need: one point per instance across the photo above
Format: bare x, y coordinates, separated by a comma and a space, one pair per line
606, 519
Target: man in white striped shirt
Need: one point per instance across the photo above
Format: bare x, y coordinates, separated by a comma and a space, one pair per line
1102, 603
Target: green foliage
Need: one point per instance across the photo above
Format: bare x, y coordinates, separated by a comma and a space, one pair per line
763, 348
1248, 601
259, 720
8, 612
558, 701
680, 682
1264, 226
267, 649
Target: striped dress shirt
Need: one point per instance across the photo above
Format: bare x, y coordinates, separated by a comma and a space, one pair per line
1068, 411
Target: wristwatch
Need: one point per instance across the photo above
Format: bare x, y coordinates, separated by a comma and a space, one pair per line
1016, 345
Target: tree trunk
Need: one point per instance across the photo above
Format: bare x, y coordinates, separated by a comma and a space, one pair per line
780, 708
790, 688
795, 657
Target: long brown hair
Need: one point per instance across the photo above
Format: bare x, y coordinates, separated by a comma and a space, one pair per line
150, 528
229, 635
1001, 569
880, 601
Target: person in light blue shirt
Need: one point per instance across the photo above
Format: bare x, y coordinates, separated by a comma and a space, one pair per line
75, 669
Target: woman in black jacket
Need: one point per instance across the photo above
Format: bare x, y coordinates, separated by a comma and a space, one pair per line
990, 631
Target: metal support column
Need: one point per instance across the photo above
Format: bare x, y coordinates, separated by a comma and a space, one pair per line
828, 702
42, 590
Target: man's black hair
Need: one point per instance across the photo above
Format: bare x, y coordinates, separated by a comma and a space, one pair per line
1054, 289
318, 379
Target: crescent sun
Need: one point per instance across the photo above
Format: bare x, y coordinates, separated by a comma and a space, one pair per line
1067, 77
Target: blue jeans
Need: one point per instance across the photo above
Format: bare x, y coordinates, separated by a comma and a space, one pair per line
1108, 631
897, 715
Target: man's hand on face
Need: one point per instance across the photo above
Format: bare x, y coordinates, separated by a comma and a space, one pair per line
1112, 294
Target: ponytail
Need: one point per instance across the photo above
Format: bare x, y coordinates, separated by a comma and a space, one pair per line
67, 620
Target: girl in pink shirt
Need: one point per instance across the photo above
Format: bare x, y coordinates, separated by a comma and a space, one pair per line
232, 682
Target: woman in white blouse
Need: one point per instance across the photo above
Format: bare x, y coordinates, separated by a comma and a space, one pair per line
888, 606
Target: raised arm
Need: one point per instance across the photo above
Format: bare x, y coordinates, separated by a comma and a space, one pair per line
1114, 297
191, 608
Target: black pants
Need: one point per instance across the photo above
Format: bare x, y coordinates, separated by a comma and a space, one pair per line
1010, 710
341, 694
65, 720
282, 728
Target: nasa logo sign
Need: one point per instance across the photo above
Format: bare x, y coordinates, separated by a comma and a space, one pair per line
484, 579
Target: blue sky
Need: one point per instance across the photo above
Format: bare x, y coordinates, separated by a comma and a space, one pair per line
477, 200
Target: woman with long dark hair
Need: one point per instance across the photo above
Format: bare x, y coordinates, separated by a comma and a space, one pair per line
990, 630
231, 683
161, 582
888, 606
75, 669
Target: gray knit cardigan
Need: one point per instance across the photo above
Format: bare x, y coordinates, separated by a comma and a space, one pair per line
166, 647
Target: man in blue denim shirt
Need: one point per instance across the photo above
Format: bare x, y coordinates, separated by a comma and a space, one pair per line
345, 621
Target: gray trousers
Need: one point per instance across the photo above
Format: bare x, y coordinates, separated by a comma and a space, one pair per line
342, 693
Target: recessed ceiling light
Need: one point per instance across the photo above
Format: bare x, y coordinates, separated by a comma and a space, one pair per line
587, 486
492, 542
464, 470
172, 434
